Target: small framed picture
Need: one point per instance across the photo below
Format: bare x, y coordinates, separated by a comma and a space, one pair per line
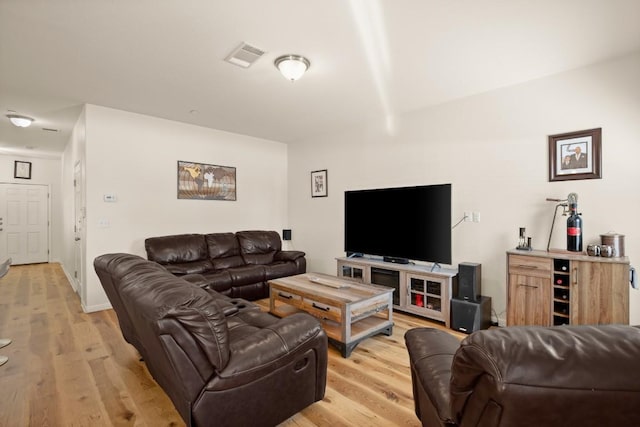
319, 183
575, 155
22, 170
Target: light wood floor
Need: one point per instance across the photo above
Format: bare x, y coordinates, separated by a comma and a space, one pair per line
69, 368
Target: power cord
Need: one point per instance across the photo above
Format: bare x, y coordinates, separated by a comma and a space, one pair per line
460, 222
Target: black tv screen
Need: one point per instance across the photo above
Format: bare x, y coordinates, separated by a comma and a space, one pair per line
407, 223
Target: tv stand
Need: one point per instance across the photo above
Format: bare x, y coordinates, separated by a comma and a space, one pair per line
395, 260
419, 289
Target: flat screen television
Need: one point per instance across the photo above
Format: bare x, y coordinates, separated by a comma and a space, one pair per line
400, 224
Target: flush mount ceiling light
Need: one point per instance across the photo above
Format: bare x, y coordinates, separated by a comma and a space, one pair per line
292, 66
20, 121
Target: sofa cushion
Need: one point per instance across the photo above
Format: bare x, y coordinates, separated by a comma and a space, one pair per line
259, 247
194, 267
247, 274
224, 250
218, 280
175, 249
208, 326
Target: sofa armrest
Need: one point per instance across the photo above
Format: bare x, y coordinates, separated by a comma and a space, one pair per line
257, 354
580, 375
431, 352
288, 255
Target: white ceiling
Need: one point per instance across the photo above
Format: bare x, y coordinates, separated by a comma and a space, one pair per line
370, 59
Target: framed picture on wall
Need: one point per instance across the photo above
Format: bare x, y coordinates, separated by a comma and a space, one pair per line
201, 181
319, 183
575, 155
22, 170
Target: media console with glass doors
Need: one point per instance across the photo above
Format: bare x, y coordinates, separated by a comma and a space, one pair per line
418, 290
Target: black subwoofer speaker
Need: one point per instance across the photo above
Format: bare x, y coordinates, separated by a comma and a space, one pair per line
469, 281
470, 316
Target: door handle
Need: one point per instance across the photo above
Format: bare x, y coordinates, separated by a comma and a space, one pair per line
77, 239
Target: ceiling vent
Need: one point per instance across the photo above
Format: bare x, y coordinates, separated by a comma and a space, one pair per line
244, 55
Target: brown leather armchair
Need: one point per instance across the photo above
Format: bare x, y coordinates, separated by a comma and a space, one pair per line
222, 361
527, 376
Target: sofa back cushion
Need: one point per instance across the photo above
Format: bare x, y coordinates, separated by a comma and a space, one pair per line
207, 324
169, 316
259, 247
181, 254
111, 268
224, 250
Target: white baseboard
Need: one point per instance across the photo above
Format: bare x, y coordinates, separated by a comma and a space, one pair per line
69, 278
97, 307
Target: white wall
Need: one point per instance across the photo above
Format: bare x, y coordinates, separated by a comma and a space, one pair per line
45, 170
134, 157
493, 149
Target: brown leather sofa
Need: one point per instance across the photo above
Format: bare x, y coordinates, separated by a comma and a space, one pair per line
234, 264
527, 376
222, 361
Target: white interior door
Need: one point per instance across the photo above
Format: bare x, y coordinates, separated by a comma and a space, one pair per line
24, 223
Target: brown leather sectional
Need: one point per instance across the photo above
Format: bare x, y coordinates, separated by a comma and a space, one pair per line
527, 376
234, 264
222, 361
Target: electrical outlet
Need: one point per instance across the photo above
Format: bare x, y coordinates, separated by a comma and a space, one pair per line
467, 216
476, 216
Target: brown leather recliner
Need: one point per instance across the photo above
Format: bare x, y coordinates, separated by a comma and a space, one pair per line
222, 362
527, 376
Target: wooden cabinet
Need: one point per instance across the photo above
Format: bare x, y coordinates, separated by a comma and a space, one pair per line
549, 288
529, 290
599, 292
417, 290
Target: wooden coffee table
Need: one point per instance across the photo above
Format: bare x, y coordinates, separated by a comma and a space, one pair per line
349, 311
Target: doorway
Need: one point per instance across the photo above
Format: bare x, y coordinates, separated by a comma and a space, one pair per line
24, 223
78, 230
